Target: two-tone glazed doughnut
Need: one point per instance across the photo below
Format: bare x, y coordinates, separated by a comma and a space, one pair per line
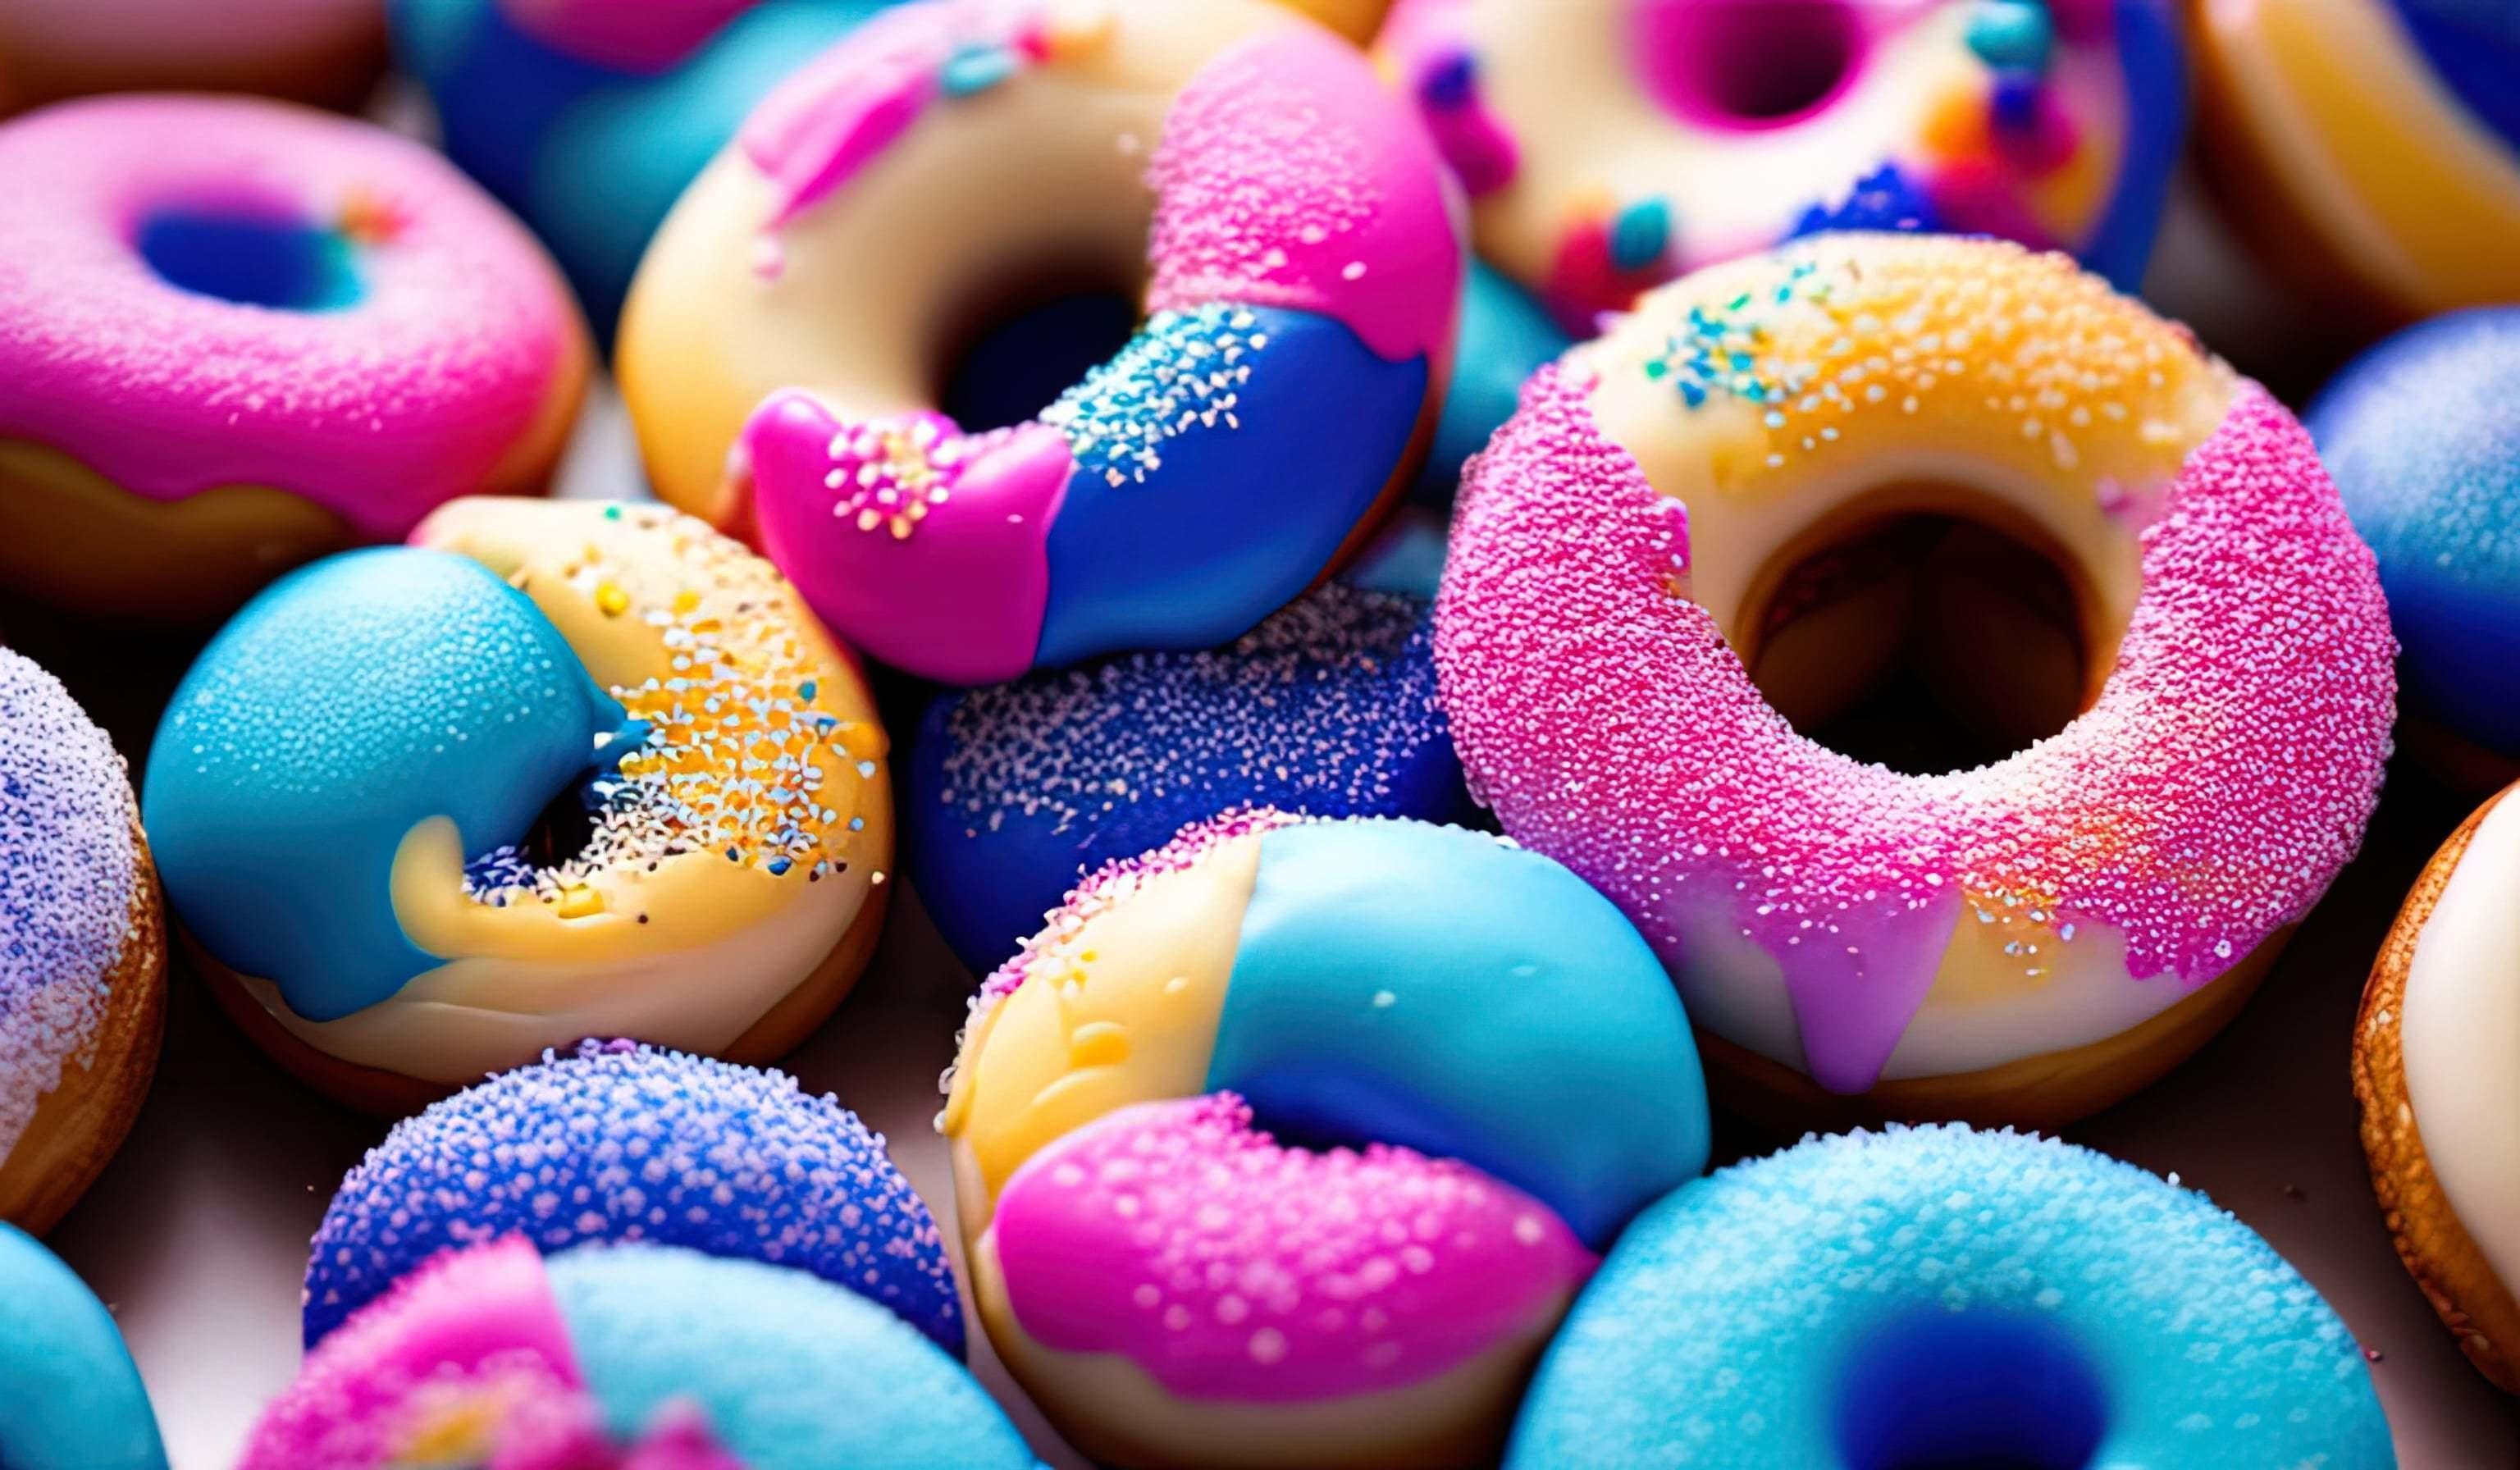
1172, 1283
2422, 433
2024, 941
1281, 219
70, 1395
1610, 144
82, 951
1015, 791
628, 1356
619, 1142
2437, 1079
291, 334
556, 769
1940, 1297
2371, 151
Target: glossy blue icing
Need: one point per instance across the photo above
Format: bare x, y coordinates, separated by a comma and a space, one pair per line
1232, 518
2474, 48
1014, 792
2152, 53
1506, 335
644, 1144
593, 159
351, 700
792, 1373
1450, 992
70, 1396
2422, 434
1879, 1300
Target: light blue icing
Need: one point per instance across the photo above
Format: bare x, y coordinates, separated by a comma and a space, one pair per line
1505, 335
349, 702
1936, 1296
792, 1373
1446, 991
69, 1396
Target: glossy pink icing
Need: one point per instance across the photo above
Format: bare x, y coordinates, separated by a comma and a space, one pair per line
2207, 798
955, 588
1230, 1268
379, 411
643, 36
1287, 177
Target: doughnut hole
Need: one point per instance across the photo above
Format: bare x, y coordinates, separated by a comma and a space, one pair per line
253, 257
1926, 641
1018, 349
1746, 64
1938, 1390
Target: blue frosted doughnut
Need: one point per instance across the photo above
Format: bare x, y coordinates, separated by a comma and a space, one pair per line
1016, 790
623, 1142
628, 1355
69, 1394
1934, 1296
2422, 433
588, 119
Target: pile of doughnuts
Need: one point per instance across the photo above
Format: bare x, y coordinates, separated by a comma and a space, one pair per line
1456, 610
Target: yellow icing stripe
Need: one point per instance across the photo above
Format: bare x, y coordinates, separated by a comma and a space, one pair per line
1121, 1009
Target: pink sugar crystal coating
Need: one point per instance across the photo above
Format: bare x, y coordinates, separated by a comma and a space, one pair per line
1231, 1268
2222, 777
378, 411
1287, 177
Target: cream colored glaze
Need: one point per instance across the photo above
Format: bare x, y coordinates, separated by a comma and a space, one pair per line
2461, 1039
1590, 137
1421, 1424
1120, 1009
953, 215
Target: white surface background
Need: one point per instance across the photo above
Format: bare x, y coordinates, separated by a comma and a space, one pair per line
196, 1234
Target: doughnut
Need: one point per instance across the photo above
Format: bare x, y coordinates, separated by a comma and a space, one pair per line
1934, 1296
2423, 436
1016, 790
617, 1142
2429, 1075
82, 953
1608, 145
327, 52
1282, 221
74, 1394
1507, 336
588, 117
1481, 1074
2371, 152
555, 769
631, 1356
291, 334
2022, 942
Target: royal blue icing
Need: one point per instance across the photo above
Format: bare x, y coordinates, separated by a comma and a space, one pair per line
788, 1371
2422, 434
1941, 1297
593, 159
1506, 335
69, 1396
623, 1142
351, 701
1327, 708
2474, 48
1246, 443
1449, 992
2152, 54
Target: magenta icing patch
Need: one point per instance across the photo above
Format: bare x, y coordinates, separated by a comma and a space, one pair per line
837, 503
1429, 44
644, 39
378, 411
2221, 781
1287, 178
1230, 1268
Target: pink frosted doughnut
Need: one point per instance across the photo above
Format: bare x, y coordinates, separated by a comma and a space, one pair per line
293, 332
2028, 940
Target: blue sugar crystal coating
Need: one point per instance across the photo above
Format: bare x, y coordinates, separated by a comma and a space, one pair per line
1882, 199
622, 1143
1776, 1313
